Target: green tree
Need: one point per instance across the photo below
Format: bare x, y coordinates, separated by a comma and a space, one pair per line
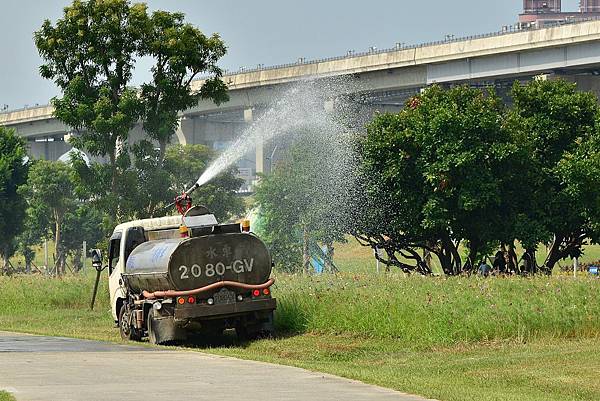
51, 197
184, 164
181, 52
81, 224
33, 233
433, 177
13, 174
556, 127
90, 54
147, 184
303, 201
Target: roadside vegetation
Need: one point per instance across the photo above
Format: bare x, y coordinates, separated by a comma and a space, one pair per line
4, 396
454, 178
458, 338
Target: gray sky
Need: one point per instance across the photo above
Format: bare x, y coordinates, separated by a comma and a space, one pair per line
262, 31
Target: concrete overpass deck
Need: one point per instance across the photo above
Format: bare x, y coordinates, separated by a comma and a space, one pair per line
478, 57
381, 80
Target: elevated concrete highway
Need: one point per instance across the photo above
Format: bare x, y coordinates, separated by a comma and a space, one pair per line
383, 80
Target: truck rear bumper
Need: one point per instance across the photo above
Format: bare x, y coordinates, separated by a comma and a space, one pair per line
211, 311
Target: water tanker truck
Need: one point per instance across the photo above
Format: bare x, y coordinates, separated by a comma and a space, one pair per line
173, 278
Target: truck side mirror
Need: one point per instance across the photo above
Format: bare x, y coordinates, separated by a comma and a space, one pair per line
96, 259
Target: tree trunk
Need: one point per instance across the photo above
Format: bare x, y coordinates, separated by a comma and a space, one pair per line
444, 262
448, 257
427, 258
28, 260
471, 262
305, 251
77, 260
553, 255
513, 261
529, 261
162, 149
113, 171
5, 258
57, 244
456, 259
330, 254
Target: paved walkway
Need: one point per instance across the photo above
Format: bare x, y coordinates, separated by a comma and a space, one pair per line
36, 368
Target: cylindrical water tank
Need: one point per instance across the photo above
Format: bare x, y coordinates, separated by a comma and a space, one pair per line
175, 264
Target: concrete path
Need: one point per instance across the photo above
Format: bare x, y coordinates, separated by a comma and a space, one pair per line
36, 368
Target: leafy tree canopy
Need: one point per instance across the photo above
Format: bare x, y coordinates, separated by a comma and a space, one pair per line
13, 174
148, 184
90, 53
304, 200
50, 195
434, 176
556, 127
181, 52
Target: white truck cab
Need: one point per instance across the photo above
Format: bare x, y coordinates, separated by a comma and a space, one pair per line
123, 240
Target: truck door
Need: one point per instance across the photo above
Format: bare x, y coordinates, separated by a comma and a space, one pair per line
114, 270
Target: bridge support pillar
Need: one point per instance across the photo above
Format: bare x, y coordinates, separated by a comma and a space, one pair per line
179, 133
585, 83
260, 155
47, 148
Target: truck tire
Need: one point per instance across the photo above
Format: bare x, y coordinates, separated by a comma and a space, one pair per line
127, 331
152, 338
162, 329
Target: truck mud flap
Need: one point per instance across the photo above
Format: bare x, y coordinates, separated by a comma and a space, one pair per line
164, 330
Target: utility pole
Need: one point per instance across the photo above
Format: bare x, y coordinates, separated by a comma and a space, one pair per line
46, 255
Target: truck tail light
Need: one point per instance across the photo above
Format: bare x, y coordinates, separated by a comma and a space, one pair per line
180, 300
256, 293
191, 300
266, 291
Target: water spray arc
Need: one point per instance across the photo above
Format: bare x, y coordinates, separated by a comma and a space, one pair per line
300, 108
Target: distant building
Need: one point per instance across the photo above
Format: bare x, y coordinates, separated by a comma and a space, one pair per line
589, 6
541, 13
541, 6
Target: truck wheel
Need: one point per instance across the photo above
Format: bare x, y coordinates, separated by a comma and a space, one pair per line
127, 331
162, 330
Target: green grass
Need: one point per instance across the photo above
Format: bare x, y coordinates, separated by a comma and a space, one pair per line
449, 339
421, 312
4, 396
550, 370
56, 306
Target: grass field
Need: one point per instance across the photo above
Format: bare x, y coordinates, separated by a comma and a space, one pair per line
450, 339
549, 370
